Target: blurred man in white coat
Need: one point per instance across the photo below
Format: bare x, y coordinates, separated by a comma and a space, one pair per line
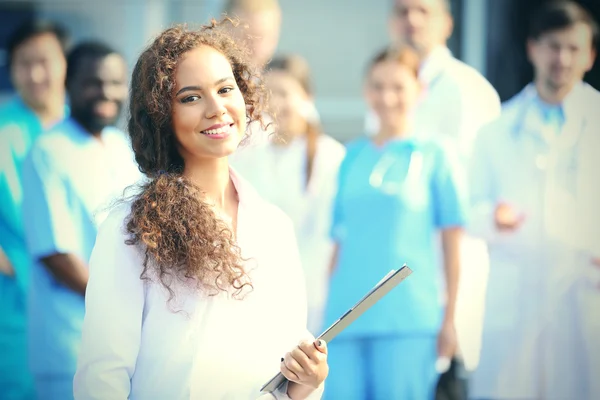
535, 201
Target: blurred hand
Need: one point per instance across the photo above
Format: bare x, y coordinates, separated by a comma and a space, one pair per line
306, 364
447, 343
596, 263
506, 218
6, 267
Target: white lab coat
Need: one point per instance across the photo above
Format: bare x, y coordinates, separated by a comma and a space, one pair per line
279, 174
138, 345
456, 103
538, 322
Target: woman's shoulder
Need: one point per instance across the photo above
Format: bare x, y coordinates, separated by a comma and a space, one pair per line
114, 225
330, 149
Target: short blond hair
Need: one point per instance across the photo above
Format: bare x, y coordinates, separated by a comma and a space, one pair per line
250, 6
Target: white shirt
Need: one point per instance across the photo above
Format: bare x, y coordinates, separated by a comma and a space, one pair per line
279, 175
135, 347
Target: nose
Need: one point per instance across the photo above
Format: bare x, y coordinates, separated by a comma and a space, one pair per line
215, 107
388, 98
37, 74
414, 18
564, 57
112, 91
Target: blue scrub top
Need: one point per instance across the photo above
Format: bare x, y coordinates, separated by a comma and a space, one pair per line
70, 179
391, 201
19, 129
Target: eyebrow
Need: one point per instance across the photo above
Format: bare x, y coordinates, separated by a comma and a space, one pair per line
191, 88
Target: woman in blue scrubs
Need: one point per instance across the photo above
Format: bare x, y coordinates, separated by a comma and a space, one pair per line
397, 194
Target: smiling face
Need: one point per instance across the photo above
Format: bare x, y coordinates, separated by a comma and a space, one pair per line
422, 24
562, 57
392, 90
98, 90
209, 112
38, 69
288, 100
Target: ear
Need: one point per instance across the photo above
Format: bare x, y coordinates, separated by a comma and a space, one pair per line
449, 25
531, 44
593, 54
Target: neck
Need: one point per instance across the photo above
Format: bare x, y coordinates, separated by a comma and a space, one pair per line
551, 94
212, 176
425, 53
53, 112
398, 130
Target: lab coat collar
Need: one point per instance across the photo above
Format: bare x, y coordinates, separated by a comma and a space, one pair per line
434, 64
247, 195
573, 112
569, 104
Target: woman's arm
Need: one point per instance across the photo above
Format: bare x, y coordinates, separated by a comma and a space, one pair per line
6, 267
451, 249
449, 202
113, 321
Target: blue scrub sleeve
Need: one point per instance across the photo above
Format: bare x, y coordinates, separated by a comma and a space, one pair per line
48, 222
449, 190
337, 231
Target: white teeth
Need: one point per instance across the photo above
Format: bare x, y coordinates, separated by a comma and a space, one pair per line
221, 130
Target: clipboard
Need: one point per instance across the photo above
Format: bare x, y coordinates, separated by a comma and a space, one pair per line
383, 287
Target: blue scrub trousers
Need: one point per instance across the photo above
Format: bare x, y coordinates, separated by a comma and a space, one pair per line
54, 387
16, 382
382, 368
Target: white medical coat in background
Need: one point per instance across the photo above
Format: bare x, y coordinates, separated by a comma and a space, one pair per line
136, 345
539, 326
279, 175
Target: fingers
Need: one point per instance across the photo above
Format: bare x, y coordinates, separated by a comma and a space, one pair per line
285, 370
303, 362
321, 346
314, 350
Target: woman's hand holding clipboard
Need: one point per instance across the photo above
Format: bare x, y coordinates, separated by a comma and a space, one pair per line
390, 281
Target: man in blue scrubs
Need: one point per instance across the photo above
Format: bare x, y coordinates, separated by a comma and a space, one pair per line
37, 67
70, 178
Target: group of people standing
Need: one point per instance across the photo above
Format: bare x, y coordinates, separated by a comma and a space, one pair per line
249, 230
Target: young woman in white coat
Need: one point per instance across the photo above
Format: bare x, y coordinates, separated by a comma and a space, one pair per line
297, 171
196, 288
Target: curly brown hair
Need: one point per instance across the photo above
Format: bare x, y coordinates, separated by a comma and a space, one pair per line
182, 238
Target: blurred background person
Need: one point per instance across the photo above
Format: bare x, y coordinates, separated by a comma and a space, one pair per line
457, 102
458, 99
260, 26
529, 182
36, 54
69, 176
297, 171
395, 192
259, 29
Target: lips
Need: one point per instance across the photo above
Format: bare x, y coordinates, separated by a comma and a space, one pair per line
106, 109
218, 130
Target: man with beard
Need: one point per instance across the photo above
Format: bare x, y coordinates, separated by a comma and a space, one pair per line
535, 196
37, 63
70, 177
